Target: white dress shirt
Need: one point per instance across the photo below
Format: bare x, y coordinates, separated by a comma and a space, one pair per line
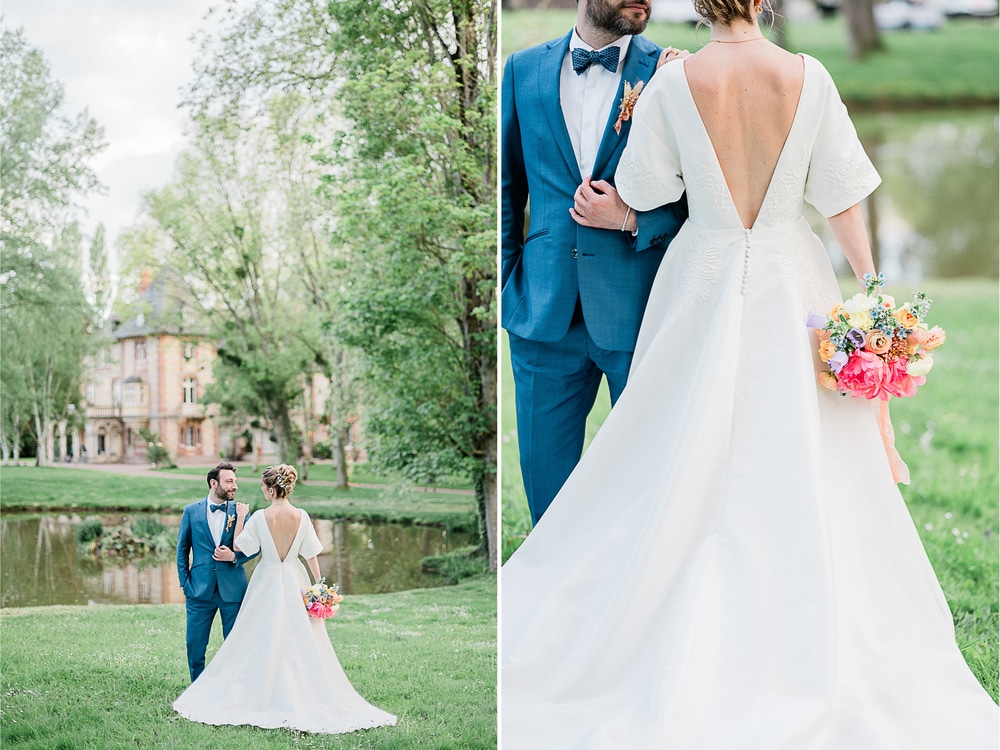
216, 520
587, 100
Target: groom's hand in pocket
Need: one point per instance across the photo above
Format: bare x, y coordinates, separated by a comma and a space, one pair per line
596, 204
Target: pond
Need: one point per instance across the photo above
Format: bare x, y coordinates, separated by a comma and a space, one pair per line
40, 563
937, 212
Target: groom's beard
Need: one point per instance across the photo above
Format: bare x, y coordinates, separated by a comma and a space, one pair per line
610, 15
222, 495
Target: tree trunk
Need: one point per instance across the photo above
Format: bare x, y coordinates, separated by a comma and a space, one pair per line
339, 442
862, 34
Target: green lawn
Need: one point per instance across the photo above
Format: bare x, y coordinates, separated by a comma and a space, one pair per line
103, 677
51, 488
948, 434
956, 65
324, 471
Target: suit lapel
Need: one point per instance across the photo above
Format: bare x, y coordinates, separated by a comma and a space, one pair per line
640, 64
549, 71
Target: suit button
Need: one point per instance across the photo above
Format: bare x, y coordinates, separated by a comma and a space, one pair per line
573, 252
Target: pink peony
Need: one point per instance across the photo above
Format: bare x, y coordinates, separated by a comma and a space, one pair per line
901, 384
865, 375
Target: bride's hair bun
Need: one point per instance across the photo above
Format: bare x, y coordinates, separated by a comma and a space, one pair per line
727, 11
281, 478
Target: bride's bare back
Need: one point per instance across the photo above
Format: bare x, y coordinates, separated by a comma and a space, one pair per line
746, 95
283, 523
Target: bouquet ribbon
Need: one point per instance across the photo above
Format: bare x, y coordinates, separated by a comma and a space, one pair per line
900, 471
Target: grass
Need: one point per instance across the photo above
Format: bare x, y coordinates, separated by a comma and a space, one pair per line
103, 677
955, 65
948, 434
360, 473
55, 488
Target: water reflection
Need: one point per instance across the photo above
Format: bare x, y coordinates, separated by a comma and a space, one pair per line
937, 212
40, 563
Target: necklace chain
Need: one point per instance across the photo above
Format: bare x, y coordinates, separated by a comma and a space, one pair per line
737, 41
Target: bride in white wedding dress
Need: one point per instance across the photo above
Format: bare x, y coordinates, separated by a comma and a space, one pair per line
277, 668
731, 565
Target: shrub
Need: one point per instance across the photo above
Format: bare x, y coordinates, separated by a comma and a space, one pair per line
89, 530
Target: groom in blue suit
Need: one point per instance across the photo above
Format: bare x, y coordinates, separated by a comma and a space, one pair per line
575, 284
209, 570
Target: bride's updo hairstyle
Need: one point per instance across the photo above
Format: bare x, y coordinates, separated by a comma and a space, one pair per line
727, 11
281, 479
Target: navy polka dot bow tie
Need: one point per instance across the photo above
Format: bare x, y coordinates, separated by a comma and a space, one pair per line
220, 506
607, 57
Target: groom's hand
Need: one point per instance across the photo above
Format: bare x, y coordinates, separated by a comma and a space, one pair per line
224, 554
596, 204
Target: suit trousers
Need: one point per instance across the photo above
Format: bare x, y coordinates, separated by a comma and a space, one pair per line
200, 616
555, 387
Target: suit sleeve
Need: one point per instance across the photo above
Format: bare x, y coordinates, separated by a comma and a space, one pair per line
183, 547
514, 182
659, 226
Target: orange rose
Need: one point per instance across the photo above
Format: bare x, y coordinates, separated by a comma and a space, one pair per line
877, 342
826, 350
906, 318
836, 312
935, 337
917, 336
821, 334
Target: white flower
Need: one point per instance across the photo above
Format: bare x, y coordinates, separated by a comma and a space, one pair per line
929, 526
920, 366
860, 302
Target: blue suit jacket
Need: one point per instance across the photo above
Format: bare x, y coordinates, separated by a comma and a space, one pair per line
543, 273
202, 574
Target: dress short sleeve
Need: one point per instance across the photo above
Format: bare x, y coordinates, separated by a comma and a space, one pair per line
649, 171
840, 172
249, 541
311, 545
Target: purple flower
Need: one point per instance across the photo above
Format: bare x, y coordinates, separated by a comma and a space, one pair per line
815, 321
837, 361
856, 338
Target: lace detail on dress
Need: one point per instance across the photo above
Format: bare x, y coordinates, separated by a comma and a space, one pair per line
848, 176
783, 203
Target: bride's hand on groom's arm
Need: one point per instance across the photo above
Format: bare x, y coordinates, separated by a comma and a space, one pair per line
670, 54
224, 554
597, 204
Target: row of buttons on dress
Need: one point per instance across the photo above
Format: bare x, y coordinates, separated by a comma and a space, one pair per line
746, 264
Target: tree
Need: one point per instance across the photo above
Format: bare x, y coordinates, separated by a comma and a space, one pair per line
411, 179
416, 185
863, 37
44, 316
245, 231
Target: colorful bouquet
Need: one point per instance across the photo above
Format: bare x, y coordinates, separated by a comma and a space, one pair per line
322, 601
873, 348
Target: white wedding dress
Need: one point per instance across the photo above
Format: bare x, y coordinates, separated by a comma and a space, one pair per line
277, 668
731, 566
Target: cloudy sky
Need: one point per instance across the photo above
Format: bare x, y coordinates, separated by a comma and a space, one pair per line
126, 62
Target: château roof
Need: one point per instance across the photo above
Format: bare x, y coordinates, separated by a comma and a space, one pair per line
166, 306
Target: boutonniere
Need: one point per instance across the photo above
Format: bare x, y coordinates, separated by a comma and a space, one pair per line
230, 522
627, 104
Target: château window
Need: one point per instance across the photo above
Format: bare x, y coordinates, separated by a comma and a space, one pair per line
190, 436
188, 349
140, 350
190, 390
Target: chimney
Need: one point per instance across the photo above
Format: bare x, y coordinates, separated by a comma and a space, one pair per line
144, 281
